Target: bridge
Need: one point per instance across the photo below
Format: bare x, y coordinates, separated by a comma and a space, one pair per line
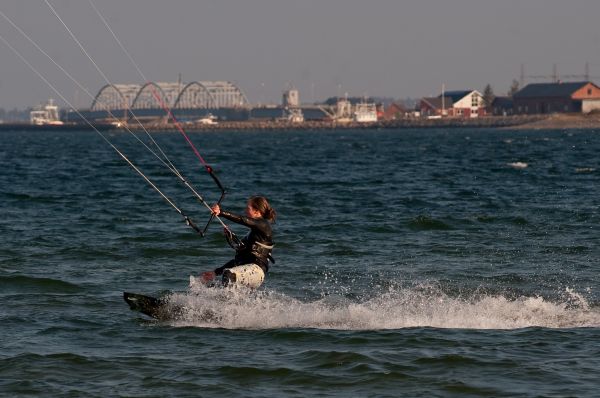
157, 95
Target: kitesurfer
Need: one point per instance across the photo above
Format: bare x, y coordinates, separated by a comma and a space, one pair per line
253, 252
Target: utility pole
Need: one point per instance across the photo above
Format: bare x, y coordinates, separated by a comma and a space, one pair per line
522, 80
587, 72
443, 99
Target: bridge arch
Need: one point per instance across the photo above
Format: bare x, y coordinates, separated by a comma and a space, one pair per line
146, 96
195, 95
115, 96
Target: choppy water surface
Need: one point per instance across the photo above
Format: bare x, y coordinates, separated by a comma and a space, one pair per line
415, 263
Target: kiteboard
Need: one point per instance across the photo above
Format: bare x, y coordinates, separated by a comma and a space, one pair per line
157, 308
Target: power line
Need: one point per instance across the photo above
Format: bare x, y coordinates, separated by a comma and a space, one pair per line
555, 77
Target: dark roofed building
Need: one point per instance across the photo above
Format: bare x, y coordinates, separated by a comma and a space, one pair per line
557, 98
456, 95
502, 106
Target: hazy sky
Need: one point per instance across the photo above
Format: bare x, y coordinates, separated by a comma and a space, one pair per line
324, 48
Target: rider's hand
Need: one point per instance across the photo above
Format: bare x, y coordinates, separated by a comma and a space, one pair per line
208, 276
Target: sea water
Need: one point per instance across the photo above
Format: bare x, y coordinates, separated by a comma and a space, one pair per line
426, 263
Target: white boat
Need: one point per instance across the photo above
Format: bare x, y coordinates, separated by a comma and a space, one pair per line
208, 119
365, 113
294, 115
45, 115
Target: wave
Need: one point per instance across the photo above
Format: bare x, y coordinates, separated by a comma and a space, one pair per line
44, 198
585, 169
397, 308
427, 223
21, 284
516, 220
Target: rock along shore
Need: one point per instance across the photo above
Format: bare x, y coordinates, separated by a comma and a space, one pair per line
550, 122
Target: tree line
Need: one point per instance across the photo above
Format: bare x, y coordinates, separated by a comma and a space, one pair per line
489, 96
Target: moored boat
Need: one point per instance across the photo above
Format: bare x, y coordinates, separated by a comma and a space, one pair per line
46, 115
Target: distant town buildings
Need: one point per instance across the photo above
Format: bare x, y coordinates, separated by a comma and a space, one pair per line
537, 98
225, 101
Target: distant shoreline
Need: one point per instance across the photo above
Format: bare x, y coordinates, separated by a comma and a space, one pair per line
521, 122
524, 122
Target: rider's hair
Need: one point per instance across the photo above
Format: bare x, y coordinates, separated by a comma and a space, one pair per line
261, 204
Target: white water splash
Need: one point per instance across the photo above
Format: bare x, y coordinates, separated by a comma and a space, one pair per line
585, 169
395, 309
518, 165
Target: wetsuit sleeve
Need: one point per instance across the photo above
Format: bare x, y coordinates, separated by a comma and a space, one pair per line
253, 223
232, 217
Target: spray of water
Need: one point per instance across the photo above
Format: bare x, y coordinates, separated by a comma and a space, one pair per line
395, 308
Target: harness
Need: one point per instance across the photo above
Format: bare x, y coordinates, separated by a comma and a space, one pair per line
258, 249
261, 250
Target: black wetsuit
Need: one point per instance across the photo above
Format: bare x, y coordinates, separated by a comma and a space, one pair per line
255, 247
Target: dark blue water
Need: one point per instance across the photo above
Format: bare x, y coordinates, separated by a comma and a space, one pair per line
409, 263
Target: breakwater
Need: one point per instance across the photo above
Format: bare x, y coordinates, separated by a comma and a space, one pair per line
269, 125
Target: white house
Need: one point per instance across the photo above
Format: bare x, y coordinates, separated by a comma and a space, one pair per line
467, 103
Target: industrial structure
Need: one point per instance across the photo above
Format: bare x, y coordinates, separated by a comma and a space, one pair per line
291, 106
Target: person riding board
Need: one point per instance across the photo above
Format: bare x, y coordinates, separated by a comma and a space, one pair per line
253, 253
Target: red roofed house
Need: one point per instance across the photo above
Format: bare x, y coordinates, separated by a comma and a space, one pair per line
394, 111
